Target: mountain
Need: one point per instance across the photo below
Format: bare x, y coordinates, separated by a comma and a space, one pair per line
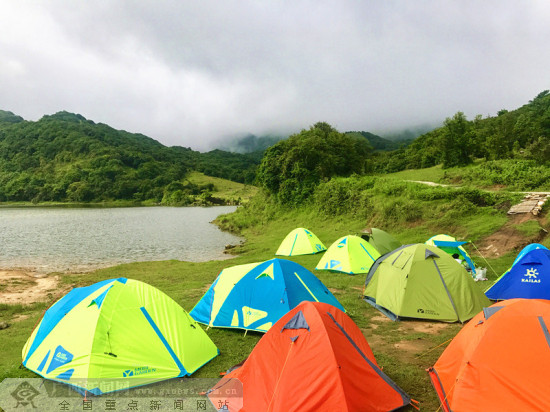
379, 143
250, 143
66, 157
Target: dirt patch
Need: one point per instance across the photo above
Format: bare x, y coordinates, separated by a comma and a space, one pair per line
432, 328
380, 318
508, 238
20, 287
409, 350
18, 317
376, 342
412, 347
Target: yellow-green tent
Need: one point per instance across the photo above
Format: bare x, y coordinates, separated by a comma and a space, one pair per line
349, 254
116, 334
422, 281
300, 242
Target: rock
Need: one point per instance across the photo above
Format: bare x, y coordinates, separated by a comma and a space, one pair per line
4, 325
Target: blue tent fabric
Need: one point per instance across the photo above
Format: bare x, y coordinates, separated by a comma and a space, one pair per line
527, 249
528, 278
456, 244
268, 297
446, 243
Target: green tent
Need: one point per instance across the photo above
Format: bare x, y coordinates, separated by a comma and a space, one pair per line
116, 334
349, 254
382, 241
300, 242
422, 281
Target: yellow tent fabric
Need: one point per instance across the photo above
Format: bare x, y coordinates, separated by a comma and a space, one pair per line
349, 254
116, 334
300, 242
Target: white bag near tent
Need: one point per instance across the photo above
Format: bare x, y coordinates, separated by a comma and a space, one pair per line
480, 274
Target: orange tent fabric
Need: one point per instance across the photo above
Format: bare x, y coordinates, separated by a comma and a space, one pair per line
499, 361
313, 359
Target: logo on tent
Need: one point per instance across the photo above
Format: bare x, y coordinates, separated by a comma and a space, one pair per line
142, 370
531, 275
334, 264
427, 311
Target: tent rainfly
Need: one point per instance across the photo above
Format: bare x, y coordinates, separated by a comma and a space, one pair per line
421, 281
499, 361
349, 254
256, 295
117, 328
300, 242
314, 358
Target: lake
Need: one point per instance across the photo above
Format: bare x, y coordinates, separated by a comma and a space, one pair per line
47, 239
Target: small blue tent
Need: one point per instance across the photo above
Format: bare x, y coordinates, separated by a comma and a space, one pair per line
256, 295
529, 277
527, 249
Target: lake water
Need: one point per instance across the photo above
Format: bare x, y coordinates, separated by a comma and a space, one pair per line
70, 239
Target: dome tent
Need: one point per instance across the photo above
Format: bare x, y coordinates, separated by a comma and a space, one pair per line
314, 358
450, 245
254, 296
527, 249
421, 281
117, 328
499, 361
529, 277
382, 241
300, 242
349, 254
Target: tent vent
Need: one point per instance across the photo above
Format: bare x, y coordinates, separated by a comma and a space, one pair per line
298, 321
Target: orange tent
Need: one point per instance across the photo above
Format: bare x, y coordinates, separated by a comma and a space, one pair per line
499, 361
313, 359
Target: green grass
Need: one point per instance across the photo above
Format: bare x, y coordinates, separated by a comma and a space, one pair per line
429, 174
403, 349
531, 228
224, 189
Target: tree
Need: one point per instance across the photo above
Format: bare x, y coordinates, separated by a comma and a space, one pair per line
292, 168
457, 139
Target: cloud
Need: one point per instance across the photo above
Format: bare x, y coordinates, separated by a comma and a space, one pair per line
191, 73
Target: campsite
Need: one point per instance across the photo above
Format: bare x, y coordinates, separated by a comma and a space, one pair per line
404, 349
275, 206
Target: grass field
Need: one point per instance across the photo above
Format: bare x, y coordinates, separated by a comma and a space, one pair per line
403, 349
224, 189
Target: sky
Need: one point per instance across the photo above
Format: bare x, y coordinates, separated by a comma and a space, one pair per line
198, 73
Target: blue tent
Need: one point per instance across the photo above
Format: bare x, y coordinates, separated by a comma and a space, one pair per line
256, 295
527, 249
529, 277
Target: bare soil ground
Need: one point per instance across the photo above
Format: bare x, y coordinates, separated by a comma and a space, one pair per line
508, 238
21, 287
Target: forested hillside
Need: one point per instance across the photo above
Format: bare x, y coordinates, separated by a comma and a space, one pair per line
65, 157
522, 134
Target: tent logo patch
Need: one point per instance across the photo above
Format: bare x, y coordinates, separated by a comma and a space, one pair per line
531, 276
142, 370
427, 311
